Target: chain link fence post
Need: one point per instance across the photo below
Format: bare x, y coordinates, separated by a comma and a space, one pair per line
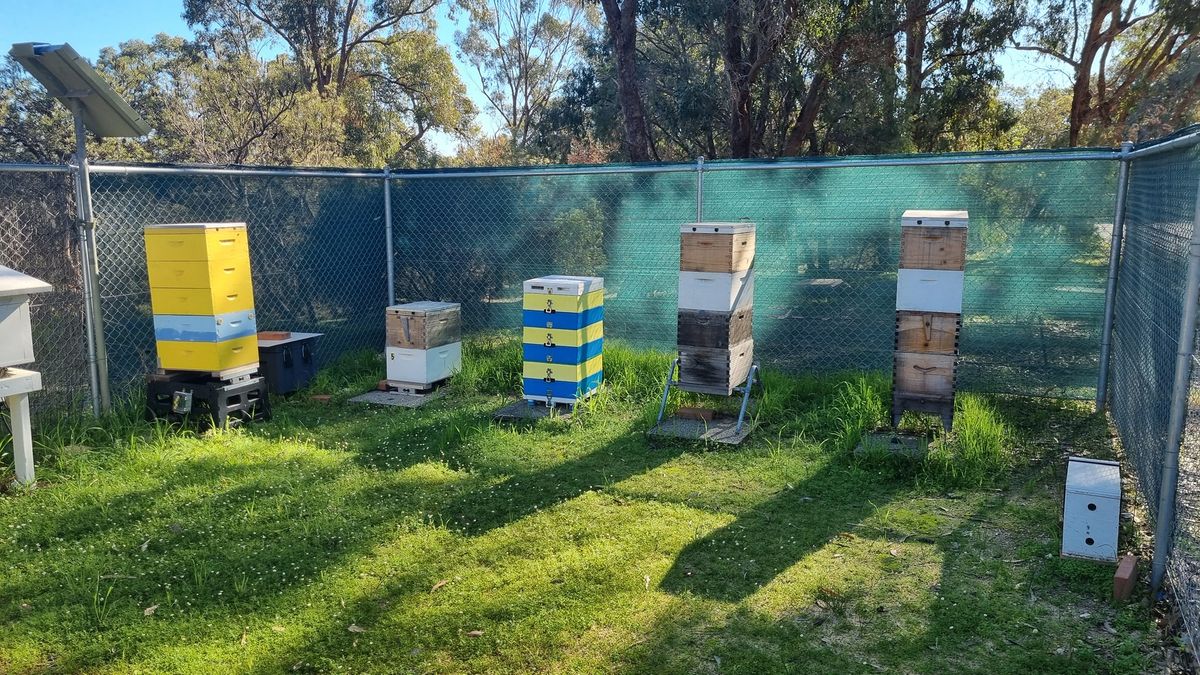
1114, 263
387, 225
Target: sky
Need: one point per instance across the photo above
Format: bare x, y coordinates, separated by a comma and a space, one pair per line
90, 25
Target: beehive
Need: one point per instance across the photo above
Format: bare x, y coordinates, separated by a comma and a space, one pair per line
563, 338
424, 342
929, 295
716, 306
202, 296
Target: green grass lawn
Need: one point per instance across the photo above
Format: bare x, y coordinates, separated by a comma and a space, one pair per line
341, 537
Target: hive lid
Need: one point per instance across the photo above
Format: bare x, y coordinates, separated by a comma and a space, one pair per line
424, 307
923, 218
192, 226
294, 337
564, 284
1097, 477
13, 283
716, 228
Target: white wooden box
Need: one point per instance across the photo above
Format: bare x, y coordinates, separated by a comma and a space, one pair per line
564, 284
716, 228
929, 291
16, 333
423, 366
925, 218
1091, 509
716, 291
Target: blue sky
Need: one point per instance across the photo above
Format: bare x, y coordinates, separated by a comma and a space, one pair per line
90, 25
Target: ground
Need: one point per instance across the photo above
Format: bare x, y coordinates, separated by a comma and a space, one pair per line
346, 538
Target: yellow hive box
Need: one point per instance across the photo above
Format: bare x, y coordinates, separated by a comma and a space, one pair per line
231, 276
198, 301
563, 372
208, 356
564, 303
205, 241
563, 336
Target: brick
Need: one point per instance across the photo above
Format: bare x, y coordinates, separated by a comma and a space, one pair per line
321, 398
382, 386
702, 414
1125, 578
274, 334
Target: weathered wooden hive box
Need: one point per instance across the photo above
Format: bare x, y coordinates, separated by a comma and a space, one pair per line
929, 295
424, 342
202, 296
716, 306
16, 332
562, 338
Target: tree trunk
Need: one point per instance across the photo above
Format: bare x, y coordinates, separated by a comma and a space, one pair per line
1081, 92
806, 121
914, 66
622, 30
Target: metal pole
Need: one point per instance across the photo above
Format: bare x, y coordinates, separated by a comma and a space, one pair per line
387, 228
87, 253
1114, 263
1167, 484
700, 189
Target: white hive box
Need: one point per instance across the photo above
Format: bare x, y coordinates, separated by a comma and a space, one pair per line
929, 291
564, 284
716, 291
16, 334
1091, 509
927, 218
423, 366
716, 228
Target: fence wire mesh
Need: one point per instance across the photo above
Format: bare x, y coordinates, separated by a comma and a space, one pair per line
827, 253
317, 246
39, 237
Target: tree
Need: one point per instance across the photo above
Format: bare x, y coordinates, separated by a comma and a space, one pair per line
620, 16
522, 51
1087, 37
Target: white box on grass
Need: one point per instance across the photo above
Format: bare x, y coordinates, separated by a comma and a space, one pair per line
1092, 509
423, 366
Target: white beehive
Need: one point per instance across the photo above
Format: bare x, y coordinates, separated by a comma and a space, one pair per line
423, 366
1091, 509
16, 335
929, 291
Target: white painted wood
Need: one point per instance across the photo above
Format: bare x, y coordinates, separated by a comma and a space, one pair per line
423, 366
716, 291
16, 334
564, 284
928, 218
18, 381
13, 282
929, 291
1092, 509
22, 436
716, 228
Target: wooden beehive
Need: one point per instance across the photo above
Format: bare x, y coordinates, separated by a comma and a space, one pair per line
716, 247
714, 371
928, 333
933, 248
700, 328
423, 325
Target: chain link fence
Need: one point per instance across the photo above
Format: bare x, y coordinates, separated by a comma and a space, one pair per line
39, 237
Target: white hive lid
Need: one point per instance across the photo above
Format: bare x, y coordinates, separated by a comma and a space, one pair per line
716, 228
13, 283
1097, 477
424, 307
922, 218
192, 226
564, 284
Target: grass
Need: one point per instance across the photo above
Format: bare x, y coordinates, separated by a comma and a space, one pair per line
342, 538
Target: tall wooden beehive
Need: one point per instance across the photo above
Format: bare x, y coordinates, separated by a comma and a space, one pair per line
716, 306
929, 292
563, 338
202, 296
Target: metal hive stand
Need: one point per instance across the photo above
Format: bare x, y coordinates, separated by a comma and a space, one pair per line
744, 390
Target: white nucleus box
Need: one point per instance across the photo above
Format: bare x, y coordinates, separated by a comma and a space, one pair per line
716, 291
16, 333
423, 366
929, 291
1091, 509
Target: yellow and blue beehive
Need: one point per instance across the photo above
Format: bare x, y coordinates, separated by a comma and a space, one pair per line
202, 296
563, 338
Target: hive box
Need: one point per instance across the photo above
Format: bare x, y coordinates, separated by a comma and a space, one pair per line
716, 291
424, 325
202, 296
714, 371
565, 302
557, 345
925, 375
933, 248
561, 382
1091, 509
920, 290
423, 366
927, 332
718, 330
716, 247
16, 333
288, 361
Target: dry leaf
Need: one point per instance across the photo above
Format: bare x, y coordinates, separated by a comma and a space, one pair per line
894, 552
149, 610
145, 544
475, 633
356, 629
647, 580
439, 584
244, 632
